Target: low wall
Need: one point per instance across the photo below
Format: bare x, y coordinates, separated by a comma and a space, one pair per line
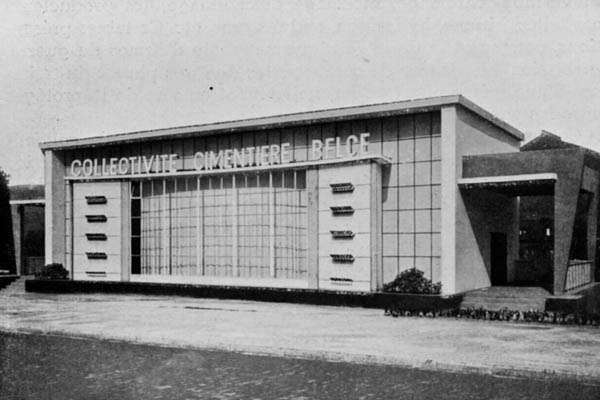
413, 302
583, 302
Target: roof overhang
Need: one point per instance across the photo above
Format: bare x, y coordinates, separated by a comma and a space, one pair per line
31, 202
514, 185
305, 118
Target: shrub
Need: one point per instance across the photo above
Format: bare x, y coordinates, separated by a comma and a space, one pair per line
53, 271
412, 281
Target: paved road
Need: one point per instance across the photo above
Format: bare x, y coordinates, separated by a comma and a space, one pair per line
50, 367
331, 333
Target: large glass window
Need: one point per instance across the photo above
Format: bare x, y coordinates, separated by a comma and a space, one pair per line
240, 225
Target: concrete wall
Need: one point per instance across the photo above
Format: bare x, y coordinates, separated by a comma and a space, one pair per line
98, 269
424, 148
486, 212
591, 183
568, 164
411, 184
356, 275
465, 260
55, 196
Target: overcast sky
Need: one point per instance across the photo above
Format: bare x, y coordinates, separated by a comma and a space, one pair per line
73, 69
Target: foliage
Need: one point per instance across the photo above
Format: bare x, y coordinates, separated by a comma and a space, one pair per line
53, 271
536, 316
7, 247
412, 281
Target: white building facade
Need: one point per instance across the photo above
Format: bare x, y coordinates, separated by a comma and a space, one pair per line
339, 200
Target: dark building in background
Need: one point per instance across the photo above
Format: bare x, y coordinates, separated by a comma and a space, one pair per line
27, 208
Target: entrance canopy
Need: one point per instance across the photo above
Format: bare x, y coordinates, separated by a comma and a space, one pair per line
570, 175
513, 185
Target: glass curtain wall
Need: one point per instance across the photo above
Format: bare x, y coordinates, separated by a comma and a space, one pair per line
240, 225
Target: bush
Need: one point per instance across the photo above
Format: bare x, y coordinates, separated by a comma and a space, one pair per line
52, 271
549, 317
412, 281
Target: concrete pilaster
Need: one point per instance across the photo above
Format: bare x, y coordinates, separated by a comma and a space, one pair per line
17, 227
376, 228
54, 172
592, 223
592, 231
449, 191
566, 192
312, 191
125, 232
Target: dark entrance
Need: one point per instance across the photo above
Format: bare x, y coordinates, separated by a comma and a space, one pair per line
498, 258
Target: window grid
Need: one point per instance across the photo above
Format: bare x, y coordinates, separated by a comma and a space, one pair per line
418, 165
247, 225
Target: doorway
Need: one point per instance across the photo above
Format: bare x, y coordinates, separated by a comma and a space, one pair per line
498, 254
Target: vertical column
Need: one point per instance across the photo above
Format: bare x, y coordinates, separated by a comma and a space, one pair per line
199, 229
125, 231
449, 192
271, 226
312, 193
69, 233
592, 227
235, 230
17, 227
166, 227
54, 173
513, 238
376, 227
153, 233
566, 196
174, 245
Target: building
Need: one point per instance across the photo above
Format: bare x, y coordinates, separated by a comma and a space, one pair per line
339, 199
557, 185
27, 209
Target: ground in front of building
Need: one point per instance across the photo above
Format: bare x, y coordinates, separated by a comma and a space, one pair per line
42, 366
342, 334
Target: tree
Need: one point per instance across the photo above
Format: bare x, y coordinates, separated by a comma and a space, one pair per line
7, 245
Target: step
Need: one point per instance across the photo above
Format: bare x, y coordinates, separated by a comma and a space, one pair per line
5, 280
511, 301
504, 297
508, 306
510, 291
503, 304
16, 286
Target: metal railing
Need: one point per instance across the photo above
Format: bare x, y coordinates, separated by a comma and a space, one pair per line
579, 273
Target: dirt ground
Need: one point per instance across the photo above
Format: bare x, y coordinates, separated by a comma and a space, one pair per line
36, 366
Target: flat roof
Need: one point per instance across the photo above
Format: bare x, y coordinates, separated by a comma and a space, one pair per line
303, 118
18, 202
482, 180
514, 185
26, 192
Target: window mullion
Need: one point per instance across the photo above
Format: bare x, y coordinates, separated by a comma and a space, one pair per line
271, 226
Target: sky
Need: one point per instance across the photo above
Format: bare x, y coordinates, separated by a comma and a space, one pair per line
74, 69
